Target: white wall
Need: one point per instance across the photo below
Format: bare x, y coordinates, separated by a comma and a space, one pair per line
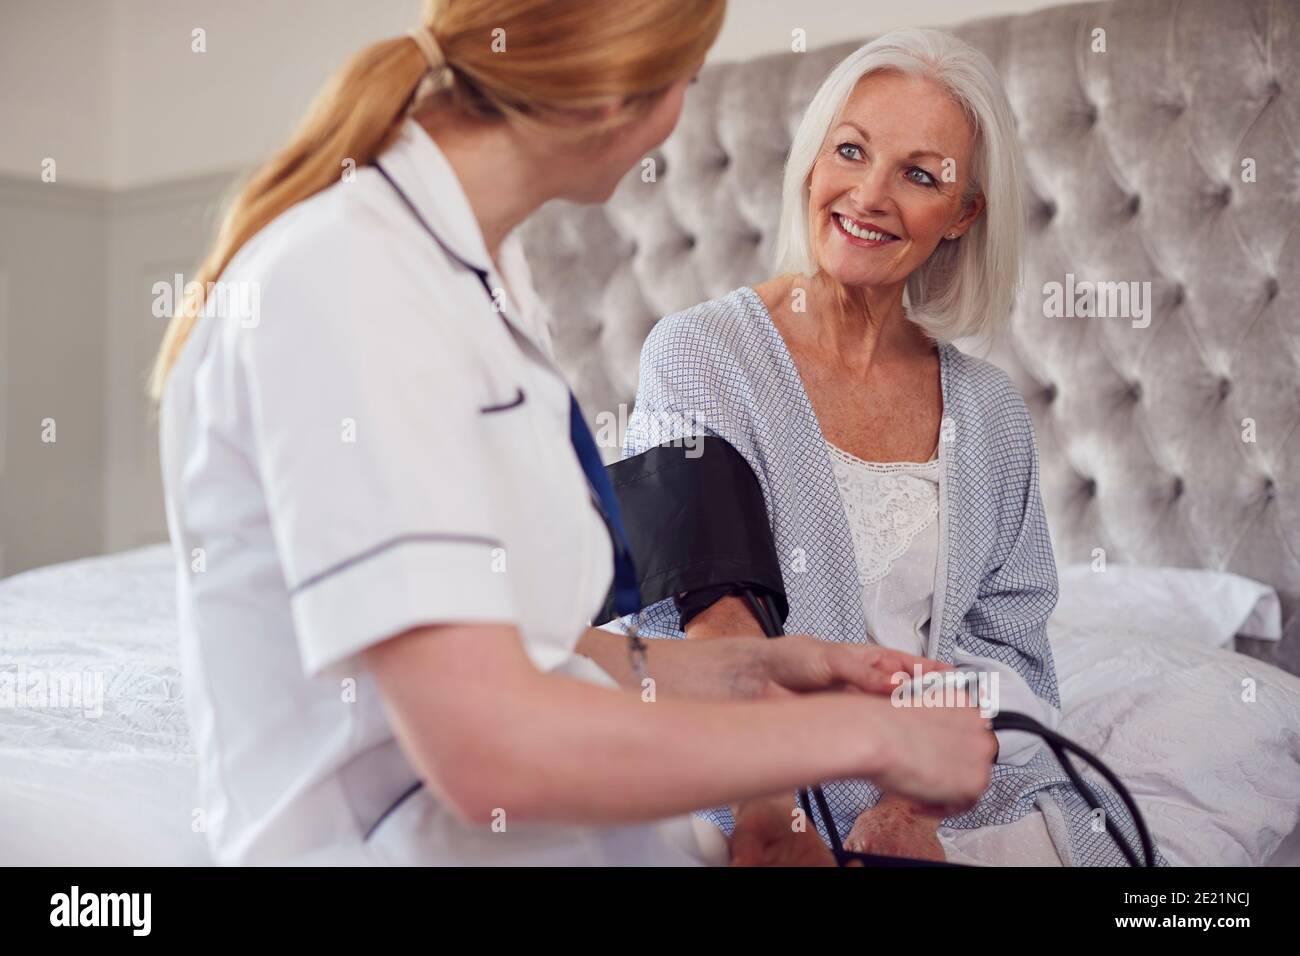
56, 77
227, 107
754, 27
112, 89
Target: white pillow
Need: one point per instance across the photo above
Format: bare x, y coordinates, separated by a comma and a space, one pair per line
1208, 607
1144, 686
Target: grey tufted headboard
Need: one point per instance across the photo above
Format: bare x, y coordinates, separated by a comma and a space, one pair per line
1134, 163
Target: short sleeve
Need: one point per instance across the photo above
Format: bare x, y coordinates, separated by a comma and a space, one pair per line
364, 401
678, 394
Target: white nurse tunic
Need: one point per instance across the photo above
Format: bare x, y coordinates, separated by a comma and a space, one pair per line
364, 447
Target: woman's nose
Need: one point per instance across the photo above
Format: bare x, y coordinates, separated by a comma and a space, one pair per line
871, 193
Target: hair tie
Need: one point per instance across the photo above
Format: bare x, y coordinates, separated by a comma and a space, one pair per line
428, 44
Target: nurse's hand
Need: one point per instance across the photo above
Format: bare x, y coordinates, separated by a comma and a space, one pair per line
800, 663
749, 669
752, 668
939, 758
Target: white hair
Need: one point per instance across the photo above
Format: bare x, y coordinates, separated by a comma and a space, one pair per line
968, 286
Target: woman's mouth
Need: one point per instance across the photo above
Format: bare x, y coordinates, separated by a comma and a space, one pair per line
861, 233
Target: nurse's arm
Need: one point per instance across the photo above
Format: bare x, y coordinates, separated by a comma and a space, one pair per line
487, 731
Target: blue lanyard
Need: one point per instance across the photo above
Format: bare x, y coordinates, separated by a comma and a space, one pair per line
627, 591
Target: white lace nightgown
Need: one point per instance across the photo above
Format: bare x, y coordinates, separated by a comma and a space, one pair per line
892, 510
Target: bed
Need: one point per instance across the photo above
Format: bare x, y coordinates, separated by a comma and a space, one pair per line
1146, 683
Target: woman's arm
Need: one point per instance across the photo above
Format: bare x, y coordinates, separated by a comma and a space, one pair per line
728, 617
487, 731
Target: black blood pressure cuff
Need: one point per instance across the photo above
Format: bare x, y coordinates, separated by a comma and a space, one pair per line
697, 526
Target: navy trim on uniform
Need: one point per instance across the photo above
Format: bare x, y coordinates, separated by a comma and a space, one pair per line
424, 224
505, 406
387, 545
409, 792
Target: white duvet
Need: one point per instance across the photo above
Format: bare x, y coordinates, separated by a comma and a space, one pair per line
119, 788
1207, 740
1145, 683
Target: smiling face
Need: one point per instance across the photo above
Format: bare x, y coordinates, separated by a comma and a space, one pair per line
878, 201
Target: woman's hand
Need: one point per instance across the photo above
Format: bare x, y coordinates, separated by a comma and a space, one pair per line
897, 827
765, 835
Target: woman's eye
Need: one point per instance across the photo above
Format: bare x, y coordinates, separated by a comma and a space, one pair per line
927, 179
844, 149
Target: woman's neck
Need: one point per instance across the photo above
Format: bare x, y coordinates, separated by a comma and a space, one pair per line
503, 181
868, 325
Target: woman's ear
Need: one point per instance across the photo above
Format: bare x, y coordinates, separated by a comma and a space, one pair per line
974, 207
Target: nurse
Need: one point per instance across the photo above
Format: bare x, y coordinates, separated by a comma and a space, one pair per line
388, 546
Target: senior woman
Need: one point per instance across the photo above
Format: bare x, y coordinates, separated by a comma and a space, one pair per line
900, 474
